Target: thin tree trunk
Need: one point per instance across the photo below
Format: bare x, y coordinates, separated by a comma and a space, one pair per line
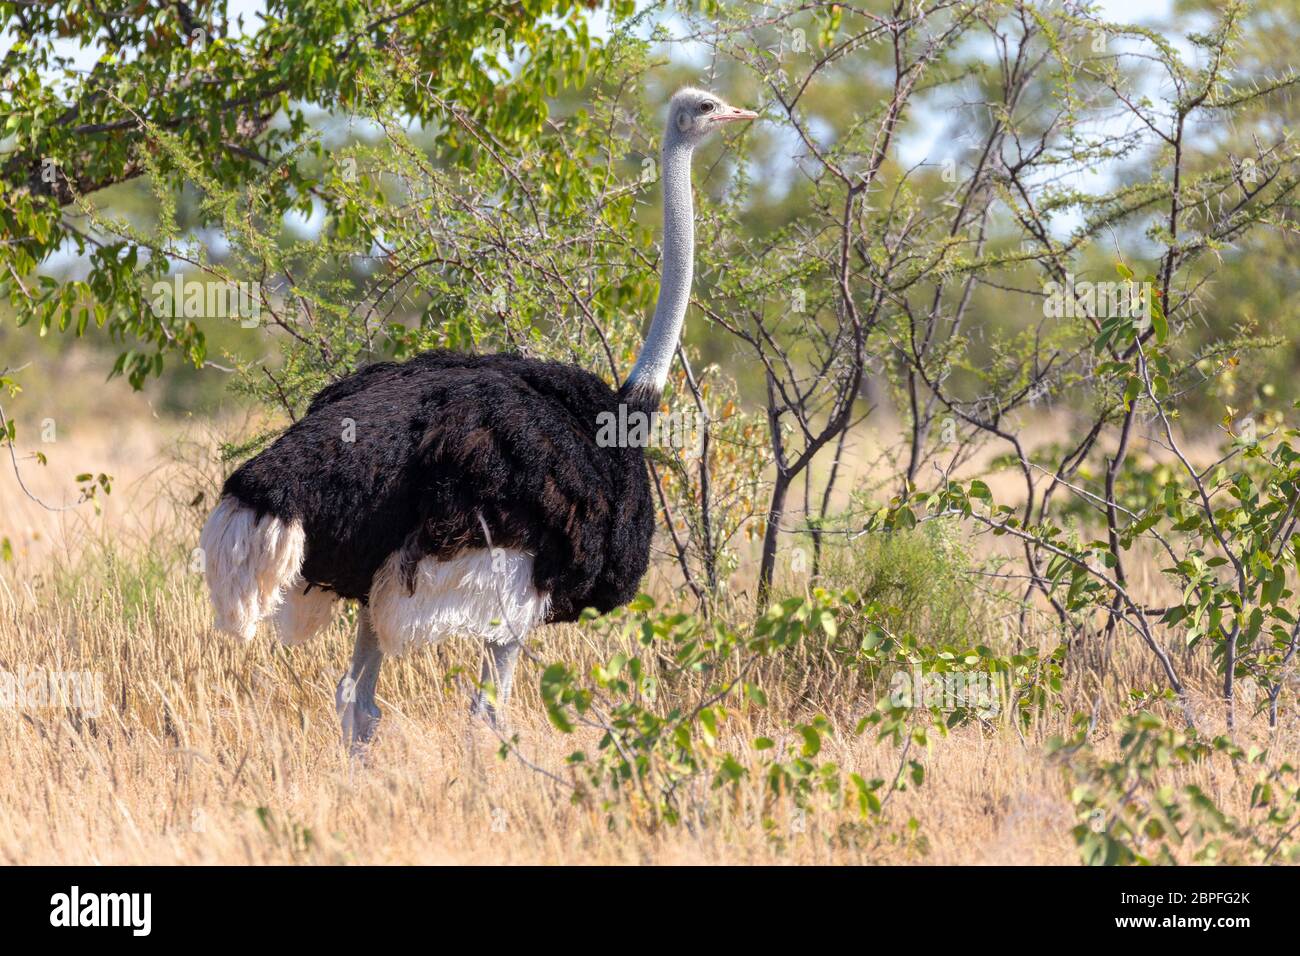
775, 512
826, 502
1281, 677
1229, 667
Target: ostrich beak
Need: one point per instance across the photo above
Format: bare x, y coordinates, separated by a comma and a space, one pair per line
733, 115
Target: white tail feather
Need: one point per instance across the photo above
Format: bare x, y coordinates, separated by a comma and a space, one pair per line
249, 562
301, 616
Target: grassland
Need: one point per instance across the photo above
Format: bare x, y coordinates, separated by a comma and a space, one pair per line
199, 749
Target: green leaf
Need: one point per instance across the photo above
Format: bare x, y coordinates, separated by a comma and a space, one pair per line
1159, 323
709, 722
1132, 389
812, 741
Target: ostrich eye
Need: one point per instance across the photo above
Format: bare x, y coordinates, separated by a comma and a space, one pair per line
706, 107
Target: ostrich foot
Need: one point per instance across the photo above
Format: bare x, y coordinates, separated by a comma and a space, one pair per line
498, 671
483, 710
354, 698
359, 717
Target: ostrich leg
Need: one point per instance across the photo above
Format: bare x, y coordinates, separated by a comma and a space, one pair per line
354, 699
498, 670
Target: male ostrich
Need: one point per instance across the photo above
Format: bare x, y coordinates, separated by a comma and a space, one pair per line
456, 494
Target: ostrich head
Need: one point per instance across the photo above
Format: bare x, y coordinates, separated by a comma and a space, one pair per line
695, 114
692, 116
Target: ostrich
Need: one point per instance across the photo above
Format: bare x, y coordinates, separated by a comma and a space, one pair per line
456, 494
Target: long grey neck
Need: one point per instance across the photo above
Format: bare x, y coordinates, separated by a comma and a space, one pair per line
651, 369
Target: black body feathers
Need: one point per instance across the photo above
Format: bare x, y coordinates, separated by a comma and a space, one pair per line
437, 442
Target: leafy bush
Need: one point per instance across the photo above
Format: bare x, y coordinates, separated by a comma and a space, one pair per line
921, 580
662, 704
1128, 814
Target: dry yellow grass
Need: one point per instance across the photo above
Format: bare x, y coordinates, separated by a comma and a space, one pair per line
209, 751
